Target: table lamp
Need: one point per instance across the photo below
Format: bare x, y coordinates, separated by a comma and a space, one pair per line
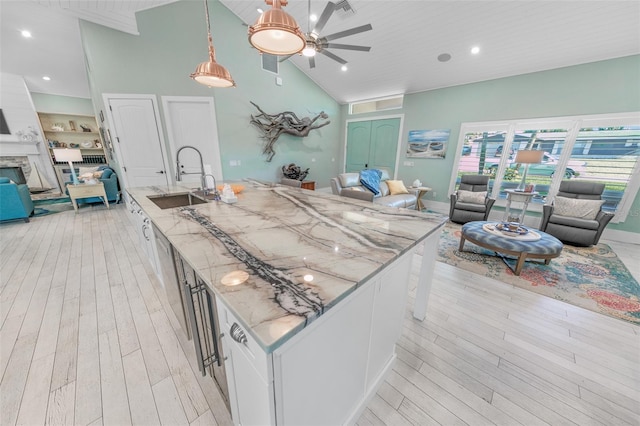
70, 155
527, 157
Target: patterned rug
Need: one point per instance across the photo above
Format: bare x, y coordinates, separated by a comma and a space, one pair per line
51, 206
593, 278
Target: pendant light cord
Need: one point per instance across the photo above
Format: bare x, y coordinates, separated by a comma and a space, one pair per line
206, 13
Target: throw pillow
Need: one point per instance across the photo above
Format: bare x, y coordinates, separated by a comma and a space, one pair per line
574, 207
396, 187
471, 197
370, 179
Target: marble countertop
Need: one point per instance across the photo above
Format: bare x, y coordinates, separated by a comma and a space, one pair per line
301, 251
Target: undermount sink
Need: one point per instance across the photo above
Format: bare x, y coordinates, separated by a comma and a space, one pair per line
175, 200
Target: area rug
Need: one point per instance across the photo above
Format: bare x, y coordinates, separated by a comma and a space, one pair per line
51, 206
593, 278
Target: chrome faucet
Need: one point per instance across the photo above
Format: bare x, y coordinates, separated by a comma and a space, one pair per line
179, 173
205, 190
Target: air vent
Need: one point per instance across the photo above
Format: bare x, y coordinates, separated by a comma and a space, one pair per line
270, 63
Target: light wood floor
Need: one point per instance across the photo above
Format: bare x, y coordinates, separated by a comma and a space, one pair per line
86, 339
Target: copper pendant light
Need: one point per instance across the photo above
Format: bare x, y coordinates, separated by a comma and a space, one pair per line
276, 32
211, 73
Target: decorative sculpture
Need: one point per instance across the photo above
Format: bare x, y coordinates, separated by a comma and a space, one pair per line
294, 172
273, 125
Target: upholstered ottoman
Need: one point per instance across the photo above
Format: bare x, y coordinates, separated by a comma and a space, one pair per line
532, 245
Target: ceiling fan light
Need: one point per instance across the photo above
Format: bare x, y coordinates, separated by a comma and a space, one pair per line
276, 32
309, 50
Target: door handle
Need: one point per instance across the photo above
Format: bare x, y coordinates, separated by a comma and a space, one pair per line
161, 172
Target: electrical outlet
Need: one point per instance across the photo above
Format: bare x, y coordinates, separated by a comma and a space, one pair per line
435, 194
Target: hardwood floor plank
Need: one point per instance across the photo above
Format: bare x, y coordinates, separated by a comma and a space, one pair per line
64, 368
414, 414
60, 405
141, 401
33, 410
88, 402
156, 365
386, 413
191, 396
115, 402
205, 419
124, 321
513, 410
170, 409
369, 419
424, 401
390, 395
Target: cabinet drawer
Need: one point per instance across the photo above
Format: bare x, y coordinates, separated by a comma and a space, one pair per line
234, 331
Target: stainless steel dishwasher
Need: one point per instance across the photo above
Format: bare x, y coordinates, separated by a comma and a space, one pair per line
172, 285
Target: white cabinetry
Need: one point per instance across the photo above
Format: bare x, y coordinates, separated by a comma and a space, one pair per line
249, 375
327, 372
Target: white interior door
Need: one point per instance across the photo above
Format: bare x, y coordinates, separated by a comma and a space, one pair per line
191, 120
138, 138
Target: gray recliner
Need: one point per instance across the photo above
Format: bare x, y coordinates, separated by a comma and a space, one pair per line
463, 212
575, 230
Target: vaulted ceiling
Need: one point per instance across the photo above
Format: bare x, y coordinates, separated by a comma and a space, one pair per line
514, 37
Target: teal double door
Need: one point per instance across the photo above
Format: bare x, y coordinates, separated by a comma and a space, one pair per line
372, 144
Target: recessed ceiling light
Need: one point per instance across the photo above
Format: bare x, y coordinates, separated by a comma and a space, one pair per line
444, 57
475, 50
46, 78
260, 11
26, 34
344, 68
313, 17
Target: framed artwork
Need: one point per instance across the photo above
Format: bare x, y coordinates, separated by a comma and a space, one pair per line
428, 143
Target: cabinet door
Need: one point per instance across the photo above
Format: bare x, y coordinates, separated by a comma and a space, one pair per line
388, 314
248, 374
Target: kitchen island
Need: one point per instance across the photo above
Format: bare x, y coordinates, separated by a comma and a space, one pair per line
310, 290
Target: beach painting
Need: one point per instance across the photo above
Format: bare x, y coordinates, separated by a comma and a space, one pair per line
428, 143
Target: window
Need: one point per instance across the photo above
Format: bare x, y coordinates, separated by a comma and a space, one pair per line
375, 105
602, 148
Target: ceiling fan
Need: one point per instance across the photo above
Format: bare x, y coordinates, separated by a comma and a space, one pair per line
319, 44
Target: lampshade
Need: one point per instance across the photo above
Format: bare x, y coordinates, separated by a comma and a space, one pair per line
276, 32
528, 156
65, 154
211, 73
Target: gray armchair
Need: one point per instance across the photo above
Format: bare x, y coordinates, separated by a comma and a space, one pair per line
461, 209
572, 229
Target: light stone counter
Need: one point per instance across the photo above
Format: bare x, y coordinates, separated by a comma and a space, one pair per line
304, 251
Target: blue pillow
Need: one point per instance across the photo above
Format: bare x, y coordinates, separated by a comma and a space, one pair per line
370, 179
106, 174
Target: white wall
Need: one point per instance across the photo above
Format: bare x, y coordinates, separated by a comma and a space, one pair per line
18, 110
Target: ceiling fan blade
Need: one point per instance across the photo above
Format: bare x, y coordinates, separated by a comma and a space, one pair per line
312, 62
334, 57
322, 21
348, 47
345, 33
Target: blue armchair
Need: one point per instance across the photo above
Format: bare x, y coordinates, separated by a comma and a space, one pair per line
110, 181
15, 201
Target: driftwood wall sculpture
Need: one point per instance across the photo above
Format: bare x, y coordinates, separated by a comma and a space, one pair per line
273, 125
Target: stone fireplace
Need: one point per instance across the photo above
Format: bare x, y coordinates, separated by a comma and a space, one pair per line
10, 162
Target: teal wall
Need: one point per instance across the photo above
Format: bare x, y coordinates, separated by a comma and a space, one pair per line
62, 104
172, 42
595, 88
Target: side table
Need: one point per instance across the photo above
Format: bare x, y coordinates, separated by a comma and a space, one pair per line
309, 184
420, 192
85, 190
515, 214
